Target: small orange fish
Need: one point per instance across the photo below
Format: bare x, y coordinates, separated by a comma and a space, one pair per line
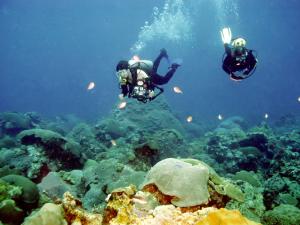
139, 200
189, 119
220, 117
177, 90
122, 105
113, 142
91, 86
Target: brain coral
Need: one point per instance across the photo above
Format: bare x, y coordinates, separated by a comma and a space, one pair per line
183, 180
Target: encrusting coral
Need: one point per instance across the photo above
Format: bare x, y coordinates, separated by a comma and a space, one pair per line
76, 215
124, 207
69, 211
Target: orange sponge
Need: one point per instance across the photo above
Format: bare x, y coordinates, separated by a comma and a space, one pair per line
225, 217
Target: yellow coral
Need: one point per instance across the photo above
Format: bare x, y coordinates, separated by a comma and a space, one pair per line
225, 217
75, 214
125, 207
119, 209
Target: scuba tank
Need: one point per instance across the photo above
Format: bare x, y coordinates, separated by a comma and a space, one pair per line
145, 65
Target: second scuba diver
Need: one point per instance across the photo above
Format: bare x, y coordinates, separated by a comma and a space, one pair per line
139, 79
239, 62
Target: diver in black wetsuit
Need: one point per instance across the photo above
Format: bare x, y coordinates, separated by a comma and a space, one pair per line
239, 62
139, 78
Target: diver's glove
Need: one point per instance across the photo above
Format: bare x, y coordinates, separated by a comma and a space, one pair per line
163, 53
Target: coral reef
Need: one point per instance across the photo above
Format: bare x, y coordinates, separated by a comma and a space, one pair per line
18, 196
9, 211
54, 186
282, 215
253, 205
56, 146
75, 214
86, 138
124, 207
30, 193
261, 165
12, 123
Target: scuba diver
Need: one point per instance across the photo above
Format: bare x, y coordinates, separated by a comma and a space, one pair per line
139, 79
239, 63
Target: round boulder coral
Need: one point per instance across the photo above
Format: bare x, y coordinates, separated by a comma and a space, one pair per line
185, 182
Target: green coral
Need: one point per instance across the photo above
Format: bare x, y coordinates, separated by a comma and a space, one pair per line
252, 207
221, 185
282, 215
13, 123
286, 198
54, 145
250, 151
8, 191
9, 212
128, 176
30, 193
249, 177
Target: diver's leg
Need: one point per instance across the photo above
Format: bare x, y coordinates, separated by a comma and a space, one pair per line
156, 63
163, 53
160, 80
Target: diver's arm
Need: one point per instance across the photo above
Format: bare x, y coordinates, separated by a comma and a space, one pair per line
251, 61
226, 64
227, 49
124, 89
226, 69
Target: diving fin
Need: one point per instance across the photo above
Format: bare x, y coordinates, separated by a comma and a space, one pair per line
226, 35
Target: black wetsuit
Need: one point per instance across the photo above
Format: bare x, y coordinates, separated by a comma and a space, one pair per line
154, 77
233, 63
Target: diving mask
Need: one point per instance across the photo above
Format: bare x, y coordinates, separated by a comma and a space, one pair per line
239, 42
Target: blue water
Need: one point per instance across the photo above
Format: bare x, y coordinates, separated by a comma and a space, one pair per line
50, 51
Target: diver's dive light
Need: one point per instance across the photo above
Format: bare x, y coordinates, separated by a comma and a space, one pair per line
226, 35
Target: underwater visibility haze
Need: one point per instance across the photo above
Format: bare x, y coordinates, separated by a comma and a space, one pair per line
208, 149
